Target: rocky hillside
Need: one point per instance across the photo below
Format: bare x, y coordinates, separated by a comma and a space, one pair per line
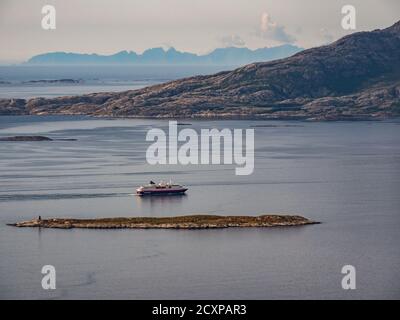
230, 56
356, 77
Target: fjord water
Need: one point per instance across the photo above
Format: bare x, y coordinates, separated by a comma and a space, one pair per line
344, 174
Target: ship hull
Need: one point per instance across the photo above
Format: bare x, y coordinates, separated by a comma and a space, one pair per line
160, 192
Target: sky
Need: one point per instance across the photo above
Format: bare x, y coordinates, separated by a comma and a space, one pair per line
198, 26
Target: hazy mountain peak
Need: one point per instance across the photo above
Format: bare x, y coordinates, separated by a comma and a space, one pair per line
160, 55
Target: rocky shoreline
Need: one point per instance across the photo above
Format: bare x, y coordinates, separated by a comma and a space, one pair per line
180, 222
31, 138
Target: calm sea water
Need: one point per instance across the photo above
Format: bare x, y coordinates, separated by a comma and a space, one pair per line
25, 81
346, 175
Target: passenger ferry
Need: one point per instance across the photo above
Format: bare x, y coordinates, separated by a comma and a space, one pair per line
161, 188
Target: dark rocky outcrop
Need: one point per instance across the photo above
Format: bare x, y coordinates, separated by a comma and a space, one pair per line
51, 81
356, 77
180, 222
13, 107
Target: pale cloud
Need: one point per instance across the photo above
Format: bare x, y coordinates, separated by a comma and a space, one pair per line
232, 41
271, 30
266, 23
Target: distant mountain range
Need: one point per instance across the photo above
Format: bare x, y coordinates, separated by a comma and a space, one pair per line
354, 78
159, 56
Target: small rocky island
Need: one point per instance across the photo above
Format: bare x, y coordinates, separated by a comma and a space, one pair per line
32, 138
180, 222
26, 138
